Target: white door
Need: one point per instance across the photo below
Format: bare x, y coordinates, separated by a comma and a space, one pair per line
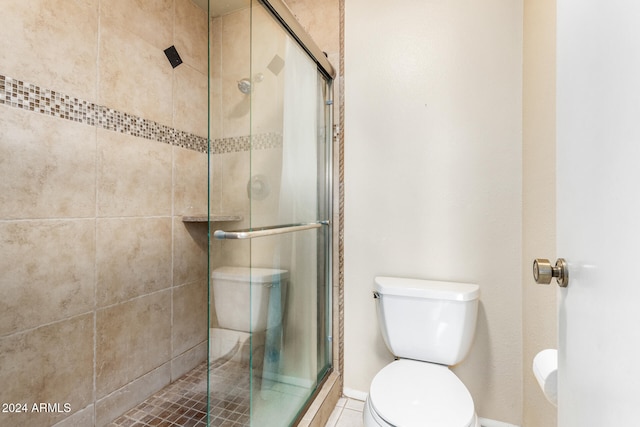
598, 217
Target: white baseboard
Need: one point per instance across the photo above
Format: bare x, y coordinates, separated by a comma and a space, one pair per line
355, 394
485, 422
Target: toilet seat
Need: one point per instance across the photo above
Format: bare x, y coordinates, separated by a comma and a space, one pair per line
409, 393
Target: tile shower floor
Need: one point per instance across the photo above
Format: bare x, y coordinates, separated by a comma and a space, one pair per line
184, 402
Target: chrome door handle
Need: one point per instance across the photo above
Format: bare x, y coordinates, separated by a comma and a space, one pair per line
543, 272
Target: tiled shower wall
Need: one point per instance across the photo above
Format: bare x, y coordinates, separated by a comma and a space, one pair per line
103, 286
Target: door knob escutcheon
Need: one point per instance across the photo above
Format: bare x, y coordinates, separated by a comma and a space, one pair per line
543, 272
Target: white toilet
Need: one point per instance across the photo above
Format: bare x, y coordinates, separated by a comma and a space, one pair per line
428, 326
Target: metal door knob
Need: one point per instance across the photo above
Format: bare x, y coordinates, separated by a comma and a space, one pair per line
543, 272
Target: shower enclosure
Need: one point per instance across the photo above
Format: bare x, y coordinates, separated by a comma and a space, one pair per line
270, 103
118, 164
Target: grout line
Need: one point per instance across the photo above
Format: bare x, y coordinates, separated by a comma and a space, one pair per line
87, 218
95, 233
44, 325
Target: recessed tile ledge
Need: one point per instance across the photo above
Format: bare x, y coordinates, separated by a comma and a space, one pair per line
213, 218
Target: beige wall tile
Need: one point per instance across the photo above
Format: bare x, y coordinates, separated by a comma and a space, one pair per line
82, 418
47, 166
52, 43
47, 272
189, 316
215, 76
236, 51
54, 168
269, 40
191, 34
51, 364
266, 165
188, 360
190, 252
132, 339
230, 174
134, 76
236, 170
190, 182
321, 20
215, 190
190, 100
134, 176
117, 403
151, 20
133, 258
230, 252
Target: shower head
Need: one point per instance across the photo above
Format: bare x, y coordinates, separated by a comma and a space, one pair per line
244, 86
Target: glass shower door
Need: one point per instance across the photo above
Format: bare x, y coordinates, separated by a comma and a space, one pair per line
289, 166
283, 248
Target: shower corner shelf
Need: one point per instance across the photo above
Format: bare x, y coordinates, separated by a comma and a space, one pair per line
213, 218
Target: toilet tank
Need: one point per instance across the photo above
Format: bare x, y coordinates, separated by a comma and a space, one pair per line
243, 297
427, 320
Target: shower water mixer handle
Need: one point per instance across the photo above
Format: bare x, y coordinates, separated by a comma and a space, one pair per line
543, 272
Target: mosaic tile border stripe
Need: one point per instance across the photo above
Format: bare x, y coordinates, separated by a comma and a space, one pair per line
237, 144
18, 94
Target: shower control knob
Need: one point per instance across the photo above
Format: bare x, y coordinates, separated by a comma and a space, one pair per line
543, 272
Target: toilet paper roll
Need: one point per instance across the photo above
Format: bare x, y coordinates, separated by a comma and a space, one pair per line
545, 369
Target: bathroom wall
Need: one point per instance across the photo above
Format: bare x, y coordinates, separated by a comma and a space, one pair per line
102, 152
539, 306
433, 177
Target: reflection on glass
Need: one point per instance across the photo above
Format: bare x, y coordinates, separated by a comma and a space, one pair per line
269, 164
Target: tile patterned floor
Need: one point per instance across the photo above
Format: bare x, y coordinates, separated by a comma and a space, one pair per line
230, 394
347, 413
184, 402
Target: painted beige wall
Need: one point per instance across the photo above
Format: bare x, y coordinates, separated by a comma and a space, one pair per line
538, 187
104, 287
433, 177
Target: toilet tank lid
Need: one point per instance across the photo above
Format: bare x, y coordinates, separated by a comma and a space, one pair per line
433, 289
246, 274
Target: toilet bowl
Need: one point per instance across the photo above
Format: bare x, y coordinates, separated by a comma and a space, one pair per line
409, 393
428, 326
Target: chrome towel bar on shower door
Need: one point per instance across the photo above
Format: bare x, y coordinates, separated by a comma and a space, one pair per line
266, 231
